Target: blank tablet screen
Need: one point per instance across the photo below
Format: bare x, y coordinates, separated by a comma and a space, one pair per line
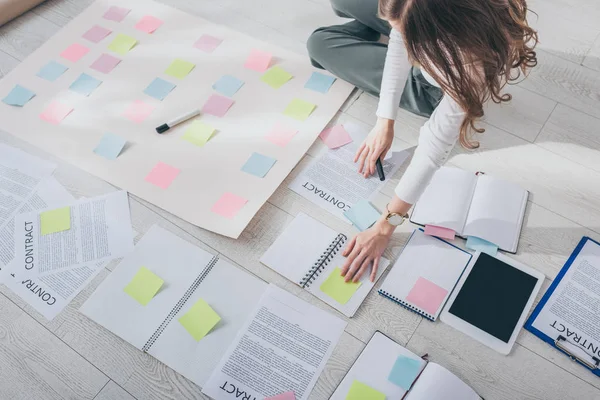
493, 297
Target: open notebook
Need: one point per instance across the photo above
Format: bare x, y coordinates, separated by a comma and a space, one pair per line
386, 370
473, 205
424, 275
309, 254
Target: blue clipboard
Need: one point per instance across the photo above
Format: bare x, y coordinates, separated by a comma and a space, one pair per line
594, 365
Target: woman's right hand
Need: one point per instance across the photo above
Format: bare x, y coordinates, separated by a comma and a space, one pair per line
376, 145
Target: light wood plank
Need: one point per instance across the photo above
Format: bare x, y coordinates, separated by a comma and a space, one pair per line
60, 12
23, 35
112, 391
7, 63
592, 59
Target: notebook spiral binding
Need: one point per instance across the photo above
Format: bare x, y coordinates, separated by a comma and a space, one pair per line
406, 305
323, 260
186, 296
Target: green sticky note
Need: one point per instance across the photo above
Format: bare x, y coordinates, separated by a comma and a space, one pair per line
144, 286
199, 320
180, 68
198, 133
299, 109
360, 391
122, 44
276, 77
53, 221
335, 287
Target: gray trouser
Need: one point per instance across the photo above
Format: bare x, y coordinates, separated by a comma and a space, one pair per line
352, 52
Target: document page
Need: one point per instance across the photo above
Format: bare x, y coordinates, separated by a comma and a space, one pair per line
283, 347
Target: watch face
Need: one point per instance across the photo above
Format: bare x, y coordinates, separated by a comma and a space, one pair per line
396, 220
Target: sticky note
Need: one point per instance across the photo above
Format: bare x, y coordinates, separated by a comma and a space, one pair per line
427, 295
283, 396
148, 24
438, 231
159, 89
362, 215
52, 71
207, 43
96, 33
198, 133
57, 220
138, 111
276, 77
229, 205
105, 63
199, 320
335, 137
85, 84
117, 14
121, 44
475, 243
162, 175
217, 105
336, 288
259, 165
319, 82
360, 391
258, 60
404, 372
110, 146
144, 286
74, 52
228, 85
180, 68
299, 109
18, 96
56, 112
281, 134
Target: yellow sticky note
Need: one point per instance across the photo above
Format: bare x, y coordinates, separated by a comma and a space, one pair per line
276, 77
198, 133
144, 286
360, 391
299, 109
55, 220
335, 287
122, 44
180, 68
199, 320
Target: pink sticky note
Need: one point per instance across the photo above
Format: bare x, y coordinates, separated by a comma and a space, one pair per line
56, 112
207, 43
96, 33
335, 137
138, 111
105, 63
74, 52
438, 231
427, 295
217, 105
162, 175
148, 24
281, 134
228, 205
116, 13
258, 60
283, 396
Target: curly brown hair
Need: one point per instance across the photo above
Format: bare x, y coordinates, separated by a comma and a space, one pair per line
472, 48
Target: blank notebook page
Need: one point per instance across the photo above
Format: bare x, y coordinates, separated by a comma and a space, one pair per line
437, 383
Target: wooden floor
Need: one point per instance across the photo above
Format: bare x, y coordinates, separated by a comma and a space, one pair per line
547, 140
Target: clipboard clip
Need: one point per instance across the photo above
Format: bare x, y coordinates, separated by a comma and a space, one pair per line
560, 344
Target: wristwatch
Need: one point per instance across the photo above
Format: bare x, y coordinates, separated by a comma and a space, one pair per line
393, 218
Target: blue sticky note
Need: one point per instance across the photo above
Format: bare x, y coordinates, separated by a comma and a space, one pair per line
362, 215
228, 85
475, 243
404, 372
258, 165
52, 71
85, 84
159, 89
110, 146
19, 96
319, 82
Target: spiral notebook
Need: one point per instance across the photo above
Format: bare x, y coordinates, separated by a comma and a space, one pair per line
425, 274
309, 254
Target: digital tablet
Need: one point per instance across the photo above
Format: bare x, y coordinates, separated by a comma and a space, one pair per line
492, 299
